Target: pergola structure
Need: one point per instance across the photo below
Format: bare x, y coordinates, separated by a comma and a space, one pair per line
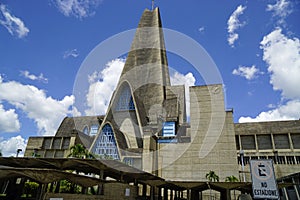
48, 170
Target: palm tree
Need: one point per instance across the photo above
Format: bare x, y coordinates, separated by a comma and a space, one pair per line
231, 178
212, 176
79, 151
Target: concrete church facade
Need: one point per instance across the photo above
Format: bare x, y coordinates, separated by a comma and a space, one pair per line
146, 124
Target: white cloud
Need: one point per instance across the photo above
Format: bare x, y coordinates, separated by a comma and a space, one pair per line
281, 9
71, 53
9, 121
45, 111
77, 8
186, 80
233, 24
282, 55
288, 111
201, 29
9, 147
102, 85
248, 72
14, 25
33, 77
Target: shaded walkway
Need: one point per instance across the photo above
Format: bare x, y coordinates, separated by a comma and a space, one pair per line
91, 172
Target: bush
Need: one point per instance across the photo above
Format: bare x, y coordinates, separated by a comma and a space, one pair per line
30, 189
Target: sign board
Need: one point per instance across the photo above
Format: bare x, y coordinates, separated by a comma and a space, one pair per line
264, 184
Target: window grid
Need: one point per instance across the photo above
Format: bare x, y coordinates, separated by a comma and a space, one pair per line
125, 101
94, 129
106, 144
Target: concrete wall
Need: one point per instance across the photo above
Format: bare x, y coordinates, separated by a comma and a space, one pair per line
212, 145
55, 147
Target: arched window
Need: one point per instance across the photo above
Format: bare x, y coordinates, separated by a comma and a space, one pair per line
106, 144
125, 101
86, 130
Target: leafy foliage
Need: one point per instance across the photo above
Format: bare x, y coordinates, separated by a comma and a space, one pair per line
211, 176
231, 178
68, 187
30, 189
79, 151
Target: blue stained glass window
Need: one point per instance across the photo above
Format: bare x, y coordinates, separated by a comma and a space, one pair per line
94, 129
125, 101
106, 144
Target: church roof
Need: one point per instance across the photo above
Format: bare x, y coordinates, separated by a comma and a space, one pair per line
77, 123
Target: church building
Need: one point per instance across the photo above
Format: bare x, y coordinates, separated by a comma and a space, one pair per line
146, 125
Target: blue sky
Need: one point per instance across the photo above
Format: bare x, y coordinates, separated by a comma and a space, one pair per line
254, 44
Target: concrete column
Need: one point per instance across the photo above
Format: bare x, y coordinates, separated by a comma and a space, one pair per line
285, 194
152, 193
225, 194
194, 194
144, 193
101, 186
296, 189
188, 194
159, 193
165, 194
171, 195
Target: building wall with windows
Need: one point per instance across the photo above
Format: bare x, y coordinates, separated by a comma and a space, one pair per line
278, 140
72, 131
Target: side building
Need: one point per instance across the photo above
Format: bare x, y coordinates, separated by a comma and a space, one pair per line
72, 131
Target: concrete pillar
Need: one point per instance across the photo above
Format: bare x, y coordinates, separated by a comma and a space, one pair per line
171, 195
144, 193
101, 186
296, 189
154, 193
194, 194
188, 194
285, 193
159, 193
165, 194
225, 194
57, 187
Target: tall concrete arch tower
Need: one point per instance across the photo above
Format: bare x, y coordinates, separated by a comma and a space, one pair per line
143, 100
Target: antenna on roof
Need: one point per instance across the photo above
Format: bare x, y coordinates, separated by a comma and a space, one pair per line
152, 5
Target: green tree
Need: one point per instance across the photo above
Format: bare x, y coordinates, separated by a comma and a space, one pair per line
30, 189
211, 176
231, 178
0, 153
79, 151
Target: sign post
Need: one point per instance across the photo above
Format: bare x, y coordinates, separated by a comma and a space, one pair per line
264, 184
